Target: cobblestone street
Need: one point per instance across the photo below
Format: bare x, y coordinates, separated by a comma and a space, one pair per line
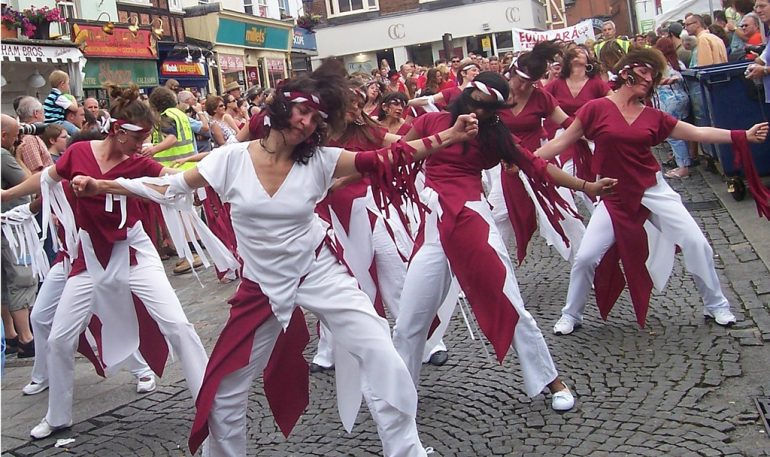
680, 386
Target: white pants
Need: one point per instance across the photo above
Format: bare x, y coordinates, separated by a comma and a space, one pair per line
149, 283
42, 317
427, 283
668, 215
333, 295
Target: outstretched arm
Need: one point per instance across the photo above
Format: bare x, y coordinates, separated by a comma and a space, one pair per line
594, 189
556, 146
428, 99
85, 186
689, 132
465, 128
29, 186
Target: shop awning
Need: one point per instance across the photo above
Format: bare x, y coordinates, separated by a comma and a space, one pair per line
12, 52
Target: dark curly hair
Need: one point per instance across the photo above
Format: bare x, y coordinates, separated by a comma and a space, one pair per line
493, 135
390, 96
646, 56
329, 83
535, 62
566, 66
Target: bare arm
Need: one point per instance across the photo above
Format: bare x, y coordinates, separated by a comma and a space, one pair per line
564, 179
216, 133
167, 142
85, 186
29, 186
558, 116
230, 121
244, 134
422, 101
689, 132
464, 129
390, 138
556, 146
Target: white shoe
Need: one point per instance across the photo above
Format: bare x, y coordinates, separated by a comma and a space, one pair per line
44, 430
721, 316
34, 388
145, 384
565, 325
562, 400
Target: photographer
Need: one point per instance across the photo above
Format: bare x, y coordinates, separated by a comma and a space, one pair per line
32, 151
199, 122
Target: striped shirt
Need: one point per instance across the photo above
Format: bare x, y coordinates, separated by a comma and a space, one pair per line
55, 106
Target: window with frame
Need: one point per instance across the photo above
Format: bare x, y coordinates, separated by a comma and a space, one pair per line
203, 2
283, 6
344, 7
248, 6
175, 5
262, 4
69, 11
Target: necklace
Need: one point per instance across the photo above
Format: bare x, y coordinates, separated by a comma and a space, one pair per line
262, 144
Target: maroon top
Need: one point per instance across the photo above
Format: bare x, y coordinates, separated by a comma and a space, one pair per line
528, 124
592, 89
89, 212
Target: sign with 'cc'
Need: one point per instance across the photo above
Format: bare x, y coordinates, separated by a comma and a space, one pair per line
396, 32
513, 14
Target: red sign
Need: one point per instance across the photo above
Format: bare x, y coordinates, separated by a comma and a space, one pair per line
252, 75
182, 69
122, 42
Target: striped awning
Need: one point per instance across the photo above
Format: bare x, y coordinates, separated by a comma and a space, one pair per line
12, 52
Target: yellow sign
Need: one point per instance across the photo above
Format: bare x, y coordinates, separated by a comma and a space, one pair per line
255, 36
486, 43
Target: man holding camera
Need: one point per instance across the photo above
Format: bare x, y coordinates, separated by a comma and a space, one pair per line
32, 150
19, 285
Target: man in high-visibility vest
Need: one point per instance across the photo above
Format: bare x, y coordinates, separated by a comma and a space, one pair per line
172, 139
608, 34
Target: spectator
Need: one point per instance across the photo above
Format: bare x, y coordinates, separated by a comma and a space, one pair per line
720, 32
751, 29
198, 120
233, 89
675, 33
19, 286
92, 105
55, 137
494, 64
73, 120
454, 67
172, 84
221, 131
254, 99
759, 70
709, 49
56, 104
608, 35
32, 151
672, 98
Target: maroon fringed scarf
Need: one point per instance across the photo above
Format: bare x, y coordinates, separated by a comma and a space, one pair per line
742, 158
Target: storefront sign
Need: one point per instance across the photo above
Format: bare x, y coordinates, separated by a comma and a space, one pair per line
524, 40
252, 35
122, 42
182, 69
143, 73
36, 52
304, 40
252, 76
230, 62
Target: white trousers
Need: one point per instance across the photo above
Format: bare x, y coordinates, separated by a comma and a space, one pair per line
149, 283
668, 216
333, 295
42, 317
428, 281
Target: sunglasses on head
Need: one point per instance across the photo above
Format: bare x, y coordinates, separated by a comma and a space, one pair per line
397, 103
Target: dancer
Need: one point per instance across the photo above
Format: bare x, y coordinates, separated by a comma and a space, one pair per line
514, 209
458, 236
115, 260
466, 72
391, 113
644, 211
273, 186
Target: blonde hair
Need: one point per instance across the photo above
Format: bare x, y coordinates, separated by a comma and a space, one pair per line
57, 78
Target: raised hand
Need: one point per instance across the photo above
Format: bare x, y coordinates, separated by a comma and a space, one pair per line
757, 133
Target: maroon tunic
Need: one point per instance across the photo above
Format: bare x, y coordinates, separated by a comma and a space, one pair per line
623, 152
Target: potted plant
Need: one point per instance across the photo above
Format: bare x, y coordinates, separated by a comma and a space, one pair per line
12, 22
36, 21
308, 20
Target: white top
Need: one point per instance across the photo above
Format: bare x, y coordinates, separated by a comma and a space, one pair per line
277, 236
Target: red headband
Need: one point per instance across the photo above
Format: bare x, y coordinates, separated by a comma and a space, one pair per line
308, 99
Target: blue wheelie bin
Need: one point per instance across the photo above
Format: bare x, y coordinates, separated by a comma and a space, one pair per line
731, 101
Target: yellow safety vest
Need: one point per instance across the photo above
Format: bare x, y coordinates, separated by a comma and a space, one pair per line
184, 146
624, 45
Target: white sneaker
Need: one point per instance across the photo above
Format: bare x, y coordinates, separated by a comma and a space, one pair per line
44, 430
145, 384
34, 388
565, 325
562, 400
721, 316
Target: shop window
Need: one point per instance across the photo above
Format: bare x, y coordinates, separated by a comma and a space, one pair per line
70, 12
345, 7
248, 6
175, 5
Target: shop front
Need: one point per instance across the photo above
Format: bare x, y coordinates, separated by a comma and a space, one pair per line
26, 65
122, 57
190, 75
252, 51
303, 48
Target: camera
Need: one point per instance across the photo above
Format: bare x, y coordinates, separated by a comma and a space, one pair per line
32, 129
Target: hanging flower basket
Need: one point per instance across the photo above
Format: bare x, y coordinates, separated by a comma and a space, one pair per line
11, 22
308, 21
36, 22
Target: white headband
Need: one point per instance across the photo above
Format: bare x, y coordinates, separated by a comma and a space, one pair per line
488, 90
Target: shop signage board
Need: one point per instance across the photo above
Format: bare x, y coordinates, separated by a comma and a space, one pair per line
144, 73
25, 52
171, 69
121, 44
252, 35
